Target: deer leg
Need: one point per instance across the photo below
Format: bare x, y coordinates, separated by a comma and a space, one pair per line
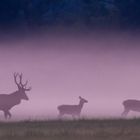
9, 114
5, 114
60, 115
73, 116
125, 112
76, 116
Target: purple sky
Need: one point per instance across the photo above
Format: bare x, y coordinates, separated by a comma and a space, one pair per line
105, 71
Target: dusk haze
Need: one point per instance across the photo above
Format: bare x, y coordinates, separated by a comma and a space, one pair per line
104, 71
69, 69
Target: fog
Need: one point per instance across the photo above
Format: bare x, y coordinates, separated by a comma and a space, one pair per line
103, 70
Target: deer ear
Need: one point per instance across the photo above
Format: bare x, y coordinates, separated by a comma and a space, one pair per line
80, 97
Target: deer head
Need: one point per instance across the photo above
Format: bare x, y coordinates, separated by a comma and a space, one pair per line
82, 100
21, 87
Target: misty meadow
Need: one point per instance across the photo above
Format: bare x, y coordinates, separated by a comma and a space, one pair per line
72, 130
69, 70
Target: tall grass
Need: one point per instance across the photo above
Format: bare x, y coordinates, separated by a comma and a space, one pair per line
94, 129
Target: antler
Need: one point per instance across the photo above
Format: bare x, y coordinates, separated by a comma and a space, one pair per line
20, 79
15, 79
20, 84
28, 89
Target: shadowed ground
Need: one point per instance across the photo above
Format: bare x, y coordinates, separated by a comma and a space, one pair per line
113, 129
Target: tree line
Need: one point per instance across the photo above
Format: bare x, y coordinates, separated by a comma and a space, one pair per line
88, 13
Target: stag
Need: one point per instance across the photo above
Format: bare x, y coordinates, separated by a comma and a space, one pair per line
7, 101
73, 110
130, 105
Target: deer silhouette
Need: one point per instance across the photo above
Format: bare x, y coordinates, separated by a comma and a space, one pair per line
74, 110
7, 101
130, 105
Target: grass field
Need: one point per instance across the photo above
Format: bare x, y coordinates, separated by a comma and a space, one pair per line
94, 129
